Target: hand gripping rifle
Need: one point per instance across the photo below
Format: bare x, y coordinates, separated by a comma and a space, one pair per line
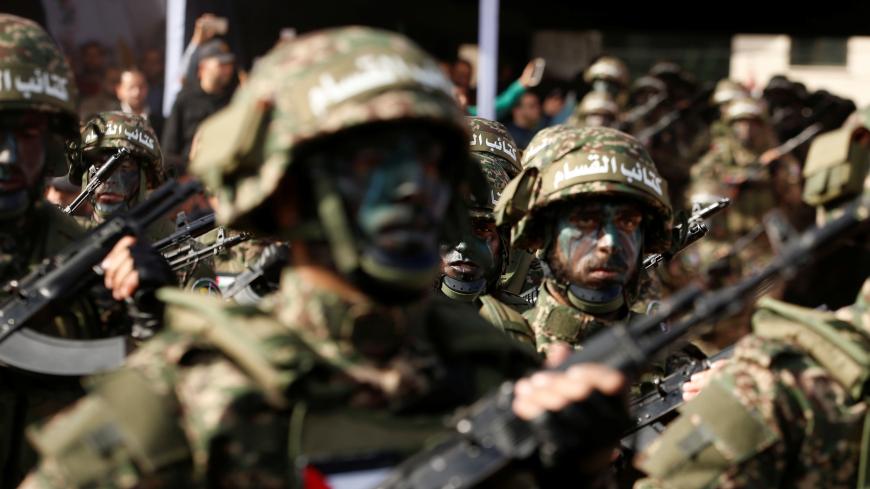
650, 409
98, 179
63, 276
488, 435
697, 229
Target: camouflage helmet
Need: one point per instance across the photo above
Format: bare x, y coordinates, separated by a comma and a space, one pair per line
34, 75
121, 130
597, 103
494, 149
726, 91
744, 108
607, 68
582, 162
310, 89
650, 83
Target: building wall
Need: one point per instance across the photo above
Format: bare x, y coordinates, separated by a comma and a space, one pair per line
756, 58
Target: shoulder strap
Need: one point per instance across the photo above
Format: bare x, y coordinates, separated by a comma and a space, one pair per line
508, 320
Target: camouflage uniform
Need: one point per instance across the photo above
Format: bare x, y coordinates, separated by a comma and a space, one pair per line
264, 396
789, 408
564, 163
40, 231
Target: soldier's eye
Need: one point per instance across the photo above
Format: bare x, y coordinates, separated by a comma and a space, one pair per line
629, 221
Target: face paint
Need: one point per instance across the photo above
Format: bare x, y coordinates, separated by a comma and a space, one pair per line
391, 184
23, 138
471, 259
597, 245
119, 191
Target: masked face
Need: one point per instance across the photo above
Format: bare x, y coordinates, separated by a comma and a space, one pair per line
476, 257
597, 244
23, 137
392, 185
119, 191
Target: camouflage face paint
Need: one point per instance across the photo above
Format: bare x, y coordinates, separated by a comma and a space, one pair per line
597, 244
23, 136
119, 191
392, 185
473, 258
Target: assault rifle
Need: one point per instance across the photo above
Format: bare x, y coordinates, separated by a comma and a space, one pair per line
274, 257
62, 276
98, 179
650, 409
186, 232
488, 435
697, 229
188, 256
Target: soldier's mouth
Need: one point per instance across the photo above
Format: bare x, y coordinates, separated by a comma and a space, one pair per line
12, 184
464, 267
110, 198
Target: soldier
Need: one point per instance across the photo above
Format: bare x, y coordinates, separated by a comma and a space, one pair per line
789, 408
138, 173
347, 143
610, 75
726, 91
592, 201
37, 116
476, 269
732, 169
597, 109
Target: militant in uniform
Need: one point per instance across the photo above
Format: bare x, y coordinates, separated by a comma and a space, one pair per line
353, 360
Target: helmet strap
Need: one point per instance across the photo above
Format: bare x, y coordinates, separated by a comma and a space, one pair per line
461, 290
594, 301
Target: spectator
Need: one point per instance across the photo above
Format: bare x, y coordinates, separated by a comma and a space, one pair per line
525, 119
203, 32
461, 74
197, 101
132, 93
92, 67
152, 68
105, 100
506, 99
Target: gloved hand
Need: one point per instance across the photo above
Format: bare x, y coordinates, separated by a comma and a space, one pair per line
575, 413
133, 271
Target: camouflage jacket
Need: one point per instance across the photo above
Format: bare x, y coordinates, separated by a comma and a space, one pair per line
786, 411
25, 398
248, 396
551, 321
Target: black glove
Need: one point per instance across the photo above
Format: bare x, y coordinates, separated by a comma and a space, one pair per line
580, 429
144, 308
